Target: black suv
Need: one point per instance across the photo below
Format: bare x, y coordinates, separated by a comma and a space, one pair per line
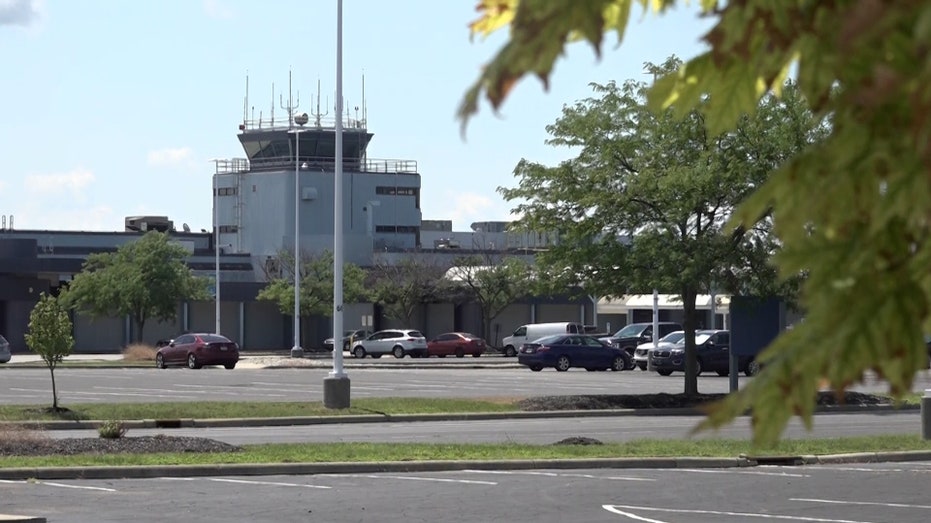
636, 333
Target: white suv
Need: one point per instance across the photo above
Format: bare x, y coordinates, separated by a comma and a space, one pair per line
398, 342
642, 352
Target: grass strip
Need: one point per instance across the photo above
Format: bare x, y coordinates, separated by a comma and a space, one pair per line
236, 409
380, 452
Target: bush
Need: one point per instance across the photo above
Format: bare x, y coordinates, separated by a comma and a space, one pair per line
139, 352
111, 429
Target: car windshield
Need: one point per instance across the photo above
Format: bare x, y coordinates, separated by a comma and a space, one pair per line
415, 334
700, 338
673, 337
469, 336
213, 338
634, 329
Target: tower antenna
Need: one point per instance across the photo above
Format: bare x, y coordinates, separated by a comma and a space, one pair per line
245, 102
273, 104
292, 106
318, 115
365, 115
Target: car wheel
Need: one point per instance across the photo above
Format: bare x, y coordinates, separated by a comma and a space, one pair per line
698, 367
629, 364
665, 372
476, 354
440, 355
160, 361
536, 368
753, 368
459, 352
398, 352
618, 364
642, 366
723, 372
376, 356
192, 362
563, 364
509, 351
230, 366
359, 352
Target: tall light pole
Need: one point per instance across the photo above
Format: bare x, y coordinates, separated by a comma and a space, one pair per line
216, 242
296, 350
336, 385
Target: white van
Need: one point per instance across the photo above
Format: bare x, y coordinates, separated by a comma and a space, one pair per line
534, 331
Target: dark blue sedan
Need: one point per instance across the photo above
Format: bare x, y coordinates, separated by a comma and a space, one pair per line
564, 351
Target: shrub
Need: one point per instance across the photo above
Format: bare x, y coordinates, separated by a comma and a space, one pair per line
139, 352
112, 429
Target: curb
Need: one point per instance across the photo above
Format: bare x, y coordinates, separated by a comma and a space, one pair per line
293, 469
177, 423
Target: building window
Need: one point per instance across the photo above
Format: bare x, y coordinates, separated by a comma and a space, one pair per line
226, 191
228, 228
400, 229
398, 191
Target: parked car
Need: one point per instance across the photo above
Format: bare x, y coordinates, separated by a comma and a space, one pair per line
642, 352
348, 337
636, 333
712, 352
5, 352
456, 344
398, 342
533, 331
564, 351
196, 350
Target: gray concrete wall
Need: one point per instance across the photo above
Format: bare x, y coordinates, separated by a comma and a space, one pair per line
551, 312
439, 318
265, 327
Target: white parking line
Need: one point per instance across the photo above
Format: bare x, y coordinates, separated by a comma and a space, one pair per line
250, 482
616, 509
417, 478
869, 503
748, 472
557, 475
79, 487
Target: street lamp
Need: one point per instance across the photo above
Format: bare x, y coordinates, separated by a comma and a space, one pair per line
336, 385
216, 243
296, 350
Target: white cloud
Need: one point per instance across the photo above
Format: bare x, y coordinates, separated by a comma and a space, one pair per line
44, 217
181, 156
217, 9
19, 12
74, 181
465, 208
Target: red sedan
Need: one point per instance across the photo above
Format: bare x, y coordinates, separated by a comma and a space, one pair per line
456, 343
198, 349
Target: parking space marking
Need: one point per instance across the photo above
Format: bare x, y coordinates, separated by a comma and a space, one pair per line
617, 509
556, 475
79, 487
251, 482
866, 503
748, 472
418, 478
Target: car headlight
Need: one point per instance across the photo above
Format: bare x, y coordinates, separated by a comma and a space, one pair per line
677, 351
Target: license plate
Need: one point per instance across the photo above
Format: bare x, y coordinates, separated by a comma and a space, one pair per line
223, 347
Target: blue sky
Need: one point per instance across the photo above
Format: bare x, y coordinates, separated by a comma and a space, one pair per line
115, 108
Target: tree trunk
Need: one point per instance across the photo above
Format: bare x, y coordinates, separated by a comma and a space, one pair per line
688, 325
51, 370
140, 324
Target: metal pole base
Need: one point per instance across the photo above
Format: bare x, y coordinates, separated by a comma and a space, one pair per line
926, 415
336, 392
297, 352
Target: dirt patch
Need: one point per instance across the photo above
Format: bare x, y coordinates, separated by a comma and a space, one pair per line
670, 401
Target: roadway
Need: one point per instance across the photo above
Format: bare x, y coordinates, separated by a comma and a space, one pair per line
859, 493
112, 385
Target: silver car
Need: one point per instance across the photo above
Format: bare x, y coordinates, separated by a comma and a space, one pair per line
642, 352
5, 354
398, 342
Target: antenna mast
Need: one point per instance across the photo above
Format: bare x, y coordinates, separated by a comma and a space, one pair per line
318, 115
290, 108
245, 102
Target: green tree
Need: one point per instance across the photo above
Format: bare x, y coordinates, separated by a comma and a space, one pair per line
145, 279
316, 279
653, 192
404, 286
850, 212
50, 336
493, 285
